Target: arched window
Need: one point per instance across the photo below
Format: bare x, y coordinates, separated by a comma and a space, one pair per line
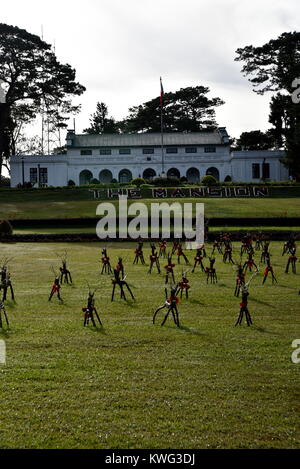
173, 173
193, 175
85, 177
149, 173
213, 172
105, 176
125, 175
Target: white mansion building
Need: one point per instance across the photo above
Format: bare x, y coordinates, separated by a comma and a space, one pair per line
127, 156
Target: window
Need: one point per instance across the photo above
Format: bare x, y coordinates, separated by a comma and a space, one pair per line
210, 149
148, 151
105, 151
124, 151
86, 152
43, 176
265, 170
255, 171
171, 150
33, 175
148, 158
191, 150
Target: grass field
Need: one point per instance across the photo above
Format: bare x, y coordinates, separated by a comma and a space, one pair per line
52, 205
132, 384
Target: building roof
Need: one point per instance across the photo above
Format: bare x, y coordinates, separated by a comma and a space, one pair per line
215, 137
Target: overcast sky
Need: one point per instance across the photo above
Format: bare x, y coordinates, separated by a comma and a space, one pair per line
120, 48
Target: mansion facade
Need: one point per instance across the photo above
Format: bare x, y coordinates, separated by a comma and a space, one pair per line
124, 157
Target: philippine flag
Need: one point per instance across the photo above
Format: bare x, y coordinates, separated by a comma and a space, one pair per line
161, 94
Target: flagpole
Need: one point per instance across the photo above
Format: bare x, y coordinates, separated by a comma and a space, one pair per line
162, 129
162, 142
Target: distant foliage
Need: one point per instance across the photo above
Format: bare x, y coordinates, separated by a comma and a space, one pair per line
138, 181
71, 183
5, 228
209, 181
166, 182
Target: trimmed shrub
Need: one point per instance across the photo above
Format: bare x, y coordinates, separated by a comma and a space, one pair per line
209, 181
95, 181
71, 183
5, 228
138, 181
166, 182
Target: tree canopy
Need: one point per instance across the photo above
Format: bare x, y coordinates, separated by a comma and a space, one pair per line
275, 67
256, 140
100, 123
188, 109
33, 81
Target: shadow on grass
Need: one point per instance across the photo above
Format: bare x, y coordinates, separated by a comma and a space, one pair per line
98, 330
263, 330
183, 328
11, 303
191, 331
262, 302
5, 332
194, 302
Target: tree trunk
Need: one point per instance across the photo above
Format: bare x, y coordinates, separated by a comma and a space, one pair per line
5, 126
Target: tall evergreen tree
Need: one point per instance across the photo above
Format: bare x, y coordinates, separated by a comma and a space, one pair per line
100, 123
275, 67
33, 81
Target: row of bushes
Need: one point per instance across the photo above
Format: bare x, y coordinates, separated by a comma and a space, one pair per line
157, 182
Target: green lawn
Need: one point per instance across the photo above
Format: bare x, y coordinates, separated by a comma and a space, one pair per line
133, 384
69, 204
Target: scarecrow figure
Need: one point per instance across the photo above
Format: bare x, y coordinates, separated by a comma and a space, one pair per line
291, 261
120, 267
169, 269
244, 303
139, 255
65, 274
258, 241
2, 310
265, 251
55, 287
181, 253
289, 246
162, 248
175, 246
90, 310
121, 283
153, 259
211, 271
5, 281
171, 305
244, 307
269, 268
228, 253
240, 280
106, 267
184, 285
217, 245
249, 263
198, 259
